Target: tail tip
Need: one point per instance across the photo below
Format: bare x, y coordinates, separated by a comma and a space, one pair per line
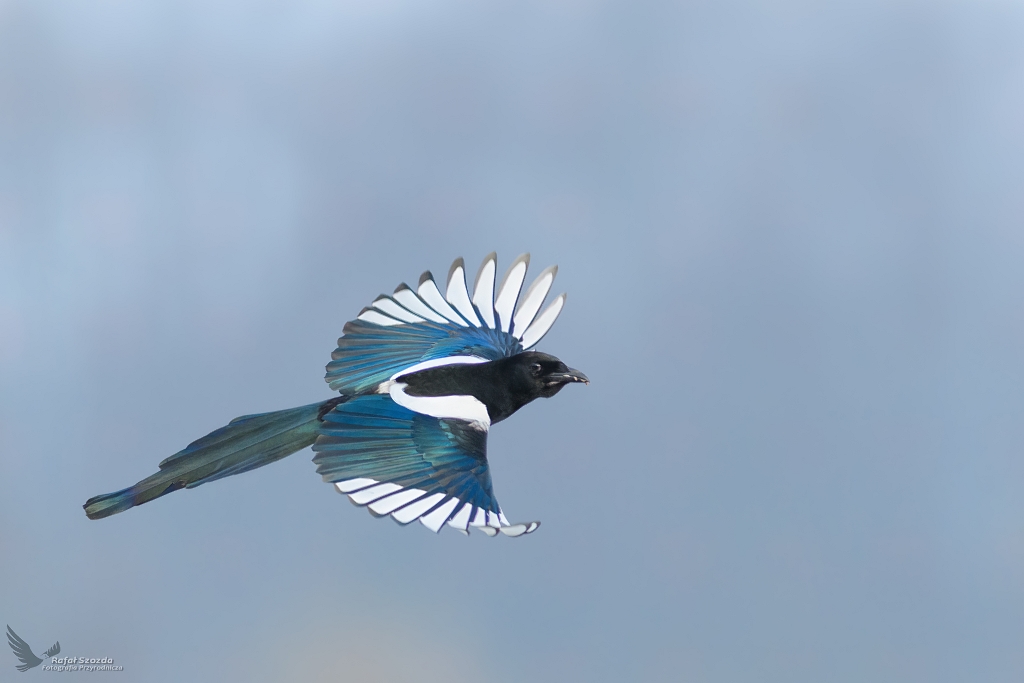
108, 504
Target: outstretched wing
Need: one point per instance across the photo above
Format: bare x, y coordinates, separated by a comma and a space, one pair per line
411, 466
412, 327
22, 651
53, 651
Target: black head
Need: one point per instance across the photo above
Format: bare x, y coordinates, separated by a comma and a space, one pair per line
544, 375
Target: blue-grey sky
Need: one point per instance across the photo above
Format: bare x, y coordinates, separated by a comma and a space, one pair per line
792, 235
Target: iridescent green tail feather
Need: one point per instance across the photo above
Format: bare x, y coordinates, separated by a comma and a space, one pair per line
246, 443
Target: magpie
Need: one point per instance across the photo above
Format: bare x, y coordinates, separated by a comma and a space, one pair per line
421, 378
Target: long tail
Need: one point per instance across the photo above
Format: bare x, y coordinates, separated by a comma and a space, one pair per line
246, 443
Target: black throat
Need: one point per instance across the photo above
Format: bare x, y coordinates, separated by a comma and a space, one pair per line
498, 384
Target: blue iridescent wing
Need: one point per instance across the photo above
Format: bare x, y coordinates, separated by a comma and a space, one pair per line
410, 327
371, 353
411, 466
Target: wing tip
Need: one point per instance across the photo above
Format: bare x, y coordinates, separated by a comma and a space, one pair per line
492, 257
531, 301
530, 337
523, 258
456, 264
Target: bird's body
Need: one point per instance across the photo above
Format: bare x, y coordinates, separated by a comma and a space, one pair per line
422, 377
503, 386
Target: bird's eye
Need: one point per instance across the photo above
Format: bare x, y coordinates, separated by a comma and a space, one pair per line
536, 368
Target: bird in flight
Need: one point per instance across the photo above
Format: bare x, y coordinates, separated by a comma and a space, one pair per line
422, 377
24, 653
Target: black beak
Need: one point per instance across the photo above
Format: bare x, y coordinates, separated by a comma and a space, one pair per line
570, 375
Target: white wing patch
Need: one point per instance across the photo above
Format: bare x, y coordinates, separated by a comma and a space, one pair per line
373, 493
468, 408
414, 303
461, 520
351, 485
406, 505
514, 530
535, 332
458, 295
396, 310
531, 301
508, 292
385, 506
428, 292
372, 316
439, 516
509, 309
483, 289
420, 507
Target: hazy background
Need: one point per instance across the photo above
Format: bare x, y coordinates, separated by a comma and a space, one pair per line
792, 237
